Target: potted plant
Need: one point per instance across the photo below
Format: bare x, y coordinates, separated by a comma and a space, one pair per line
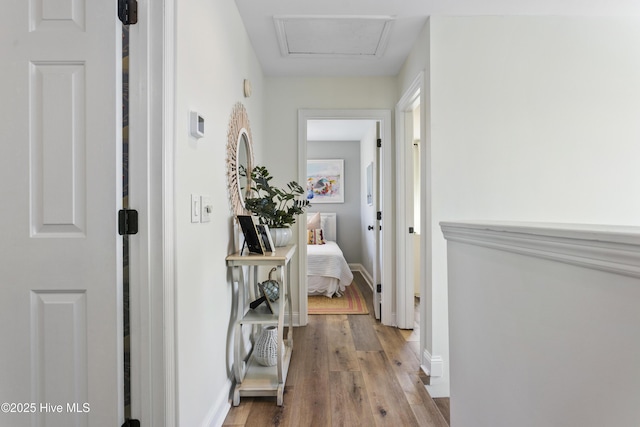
275, 207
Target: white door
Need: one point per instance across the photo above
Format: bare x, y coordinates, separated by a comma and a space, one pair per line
406, 285
60, 254
377, 202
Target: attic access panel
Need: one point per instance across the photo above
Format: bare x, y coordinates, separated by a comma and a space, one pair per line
323, 36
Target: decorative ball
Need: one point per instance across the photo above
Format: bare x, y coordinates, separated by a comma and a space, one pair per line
271, 289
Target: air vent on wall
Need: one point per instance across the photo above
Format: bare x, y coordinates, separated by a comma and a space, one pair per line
330, 36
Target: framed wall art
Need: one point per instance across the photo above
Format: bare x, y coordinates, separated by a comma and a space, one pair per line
325, 181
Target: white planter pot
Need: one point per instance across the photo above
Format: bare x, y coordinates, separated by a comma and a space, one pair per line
281, 236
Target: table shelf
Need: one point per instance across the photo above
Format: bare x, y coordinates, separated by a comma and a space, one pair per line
251, 378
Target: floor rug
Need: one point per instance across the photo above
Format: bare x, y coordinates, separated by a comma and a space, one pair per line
351, 303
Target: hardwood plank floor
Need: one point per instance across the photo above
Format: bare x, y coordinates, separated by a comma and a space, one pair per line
348, 370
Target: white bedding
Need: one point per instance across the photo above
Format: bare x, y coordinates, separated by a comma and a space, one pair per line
327, 271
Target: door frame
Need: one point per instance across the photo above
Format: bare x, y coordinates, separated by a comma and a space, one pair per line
404, 242
151, 192
387, 261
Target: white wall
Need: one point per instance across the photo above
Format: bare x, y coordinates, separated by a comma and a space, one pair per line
213, 57
530, 118
533, 119
285, 96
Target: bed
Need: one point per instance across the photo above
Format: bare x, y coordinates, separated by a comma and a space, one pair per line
328, 273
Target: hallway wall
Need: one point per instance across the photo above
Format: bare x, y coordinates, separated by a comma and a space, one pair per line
529, 118
213, 57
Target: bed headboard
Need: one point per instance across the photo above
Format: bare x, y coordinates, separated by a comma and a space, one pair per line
328, 220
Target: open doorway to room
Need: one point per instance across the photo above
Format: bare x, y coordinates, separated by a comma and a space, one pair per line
359, 233
408, 202
340, 154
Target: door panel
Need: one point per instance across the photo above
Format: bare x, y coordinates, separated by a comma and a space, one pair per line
57, 146
60, 255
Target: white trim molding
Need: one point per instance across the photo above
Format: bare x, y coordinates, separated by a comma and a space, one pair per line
171, 415
614, 249
432, 365
365, 274
219, 411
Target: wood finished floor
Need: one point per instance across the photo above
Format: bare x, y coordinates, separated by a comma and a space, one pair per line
349, 370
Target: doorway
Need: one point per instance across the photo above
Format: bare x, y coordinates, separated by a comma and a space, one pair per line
383, 235
409, 190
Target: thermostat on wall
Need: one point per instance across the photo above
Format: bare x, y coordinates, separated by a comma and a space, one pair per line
197, 125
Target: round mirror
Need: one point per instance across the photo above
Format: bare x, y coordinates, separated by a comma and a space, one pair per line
239, 159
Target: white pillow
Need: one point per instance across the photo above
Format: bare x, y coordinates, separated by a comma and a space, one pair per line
313, 222
323, 222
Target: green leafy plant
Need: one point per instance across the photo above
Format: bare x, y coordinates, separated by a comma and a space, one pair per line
274, 206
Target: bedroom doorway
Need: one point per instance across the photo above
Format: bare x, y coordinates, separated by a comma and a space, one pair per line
328, 134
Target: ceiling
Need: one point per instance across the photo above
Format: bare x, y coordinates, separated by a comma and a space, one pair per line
373, 37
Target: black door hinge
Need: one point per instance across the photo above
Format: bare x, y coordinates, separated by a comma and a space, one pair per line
379, 143
128, 11
379, 216
379, 288
131, 423
127, 222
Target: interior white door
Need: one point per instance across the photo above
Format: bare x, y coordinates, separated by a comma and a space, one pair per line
377, 270
406, 285
60, 254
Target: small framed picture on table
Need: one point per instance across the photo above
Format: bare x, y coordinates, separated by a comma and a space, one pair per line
265, 235
266, 298
251, 237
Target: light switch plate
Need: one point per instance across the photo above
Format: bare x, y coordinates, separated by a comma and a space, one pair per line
206, 207
195, 208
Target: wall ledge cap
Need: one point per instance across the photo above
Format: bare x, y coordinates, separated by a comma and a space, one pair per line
611, 248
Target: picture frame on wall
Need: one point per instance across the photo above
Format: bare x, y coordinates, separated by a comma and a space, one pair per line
325, 180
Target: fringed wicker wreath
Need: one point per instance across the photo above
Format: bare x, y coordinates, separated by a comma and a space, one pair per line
238, 135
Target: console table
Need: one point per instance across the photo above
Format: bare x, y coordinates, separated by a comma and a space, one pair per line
253, 379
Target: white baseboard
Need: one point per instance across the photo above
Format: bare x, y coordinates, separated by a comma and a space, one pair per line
439, 389
365, 274
432, 365
296, 318
220, 409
